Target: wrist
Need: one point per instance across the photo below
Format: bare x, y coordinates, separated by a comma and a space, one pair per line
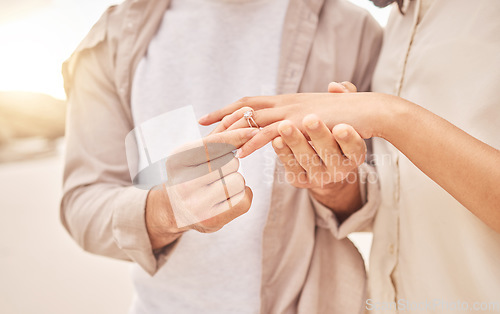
343, 197
160, 221
391, 112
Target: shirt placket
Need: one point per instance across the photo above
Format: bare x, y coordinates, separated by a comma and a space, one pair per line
393, 247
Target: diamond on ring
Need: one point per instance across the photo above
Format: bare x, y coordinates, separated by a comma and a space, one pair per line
248, 115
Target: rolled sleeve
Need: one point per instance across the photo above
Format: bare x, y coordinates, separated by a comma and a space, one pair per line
100, 208
130, 232
362, 219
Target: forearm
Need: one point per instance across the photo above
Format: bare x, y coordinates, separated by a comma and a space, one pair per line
343, 198
93, 214
464, 166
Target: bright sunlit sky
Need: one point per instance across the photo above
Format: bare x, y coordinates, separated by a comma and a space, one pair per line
36, 36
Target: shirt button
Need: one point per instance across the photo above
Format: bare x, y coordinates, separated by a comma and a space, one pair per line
391, 249
130, 25
122, 90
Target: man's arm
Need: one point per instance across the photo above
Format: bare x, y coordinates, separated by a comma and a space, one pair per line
343, 198
100, 209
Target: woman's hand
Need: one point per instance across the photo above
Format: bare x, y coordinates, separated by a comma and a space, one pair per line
259, 103
355, 109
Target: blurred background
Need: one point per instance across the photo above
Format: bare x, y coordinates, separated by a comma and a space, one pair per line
41, 269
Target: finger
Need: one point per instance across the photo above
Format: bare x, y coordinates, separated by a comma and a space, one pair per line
207, 151
217, 145
324, 143
221, 190
352, 144
335, 87
193, 208
302, 150
344, 87
350, 86
259, 102
264, 136
211, 147
262, 117
230, 119
286, 156
228, 210
191, 179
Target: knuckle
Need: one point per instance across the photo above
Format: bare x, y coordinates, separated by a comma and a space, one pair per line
242, 137
244, 99
306, 161
309, 161
239, 180
266, 132
225, 121
292, 162
233, 165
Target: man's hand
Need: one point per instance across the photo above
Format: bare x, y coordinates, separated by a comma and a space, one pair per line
330, 157
204, 191
327, 165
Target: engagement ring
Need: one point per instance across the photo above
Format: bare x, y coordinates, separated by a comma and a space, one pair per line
249, 117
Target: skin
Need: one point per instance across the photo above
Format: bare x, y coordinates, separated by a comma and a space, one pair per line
201, 203
461, 164
327, 164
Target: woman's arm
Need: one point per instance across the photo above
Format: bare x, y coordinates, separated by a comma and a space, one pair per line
464, 166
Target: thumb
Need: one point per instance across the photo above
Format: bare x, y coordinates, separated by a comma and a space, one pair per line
344, 87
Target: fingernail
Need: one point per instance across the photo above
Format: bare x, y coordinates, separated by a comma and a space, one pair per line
343, 134
287, 130
238, 153
313, 124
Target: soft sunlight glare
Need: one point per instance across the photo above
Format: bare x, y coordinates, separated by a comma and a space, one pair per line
381, 15
34, 46
31, 59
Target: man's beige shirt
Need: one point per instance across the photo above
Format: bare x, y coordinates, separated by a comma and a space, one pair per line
428, 249
308, 265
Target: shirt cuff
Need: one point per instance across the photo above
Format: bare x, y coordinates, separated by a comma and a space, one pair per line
130, 233
362, 219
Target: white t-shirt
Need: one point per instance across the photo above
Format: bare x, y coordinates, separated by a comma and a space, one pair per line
207, 54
